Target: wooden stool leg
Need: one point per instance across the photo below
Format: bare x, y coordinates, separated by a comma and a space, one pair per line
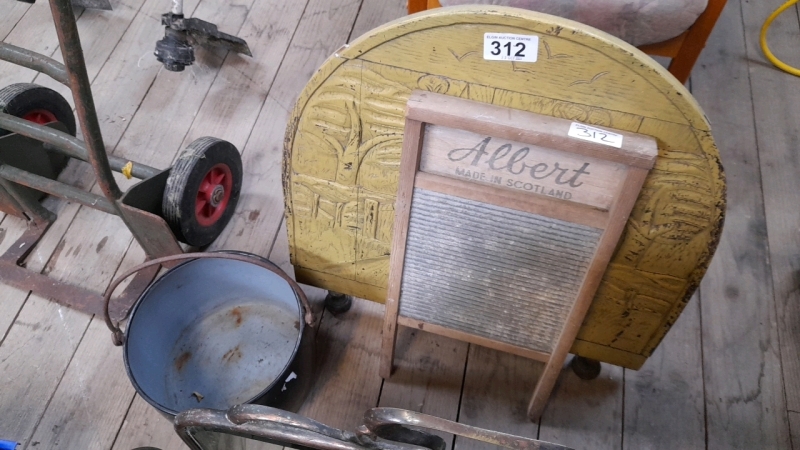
417, 6
422, 5
387, 349
541, 393
681, 65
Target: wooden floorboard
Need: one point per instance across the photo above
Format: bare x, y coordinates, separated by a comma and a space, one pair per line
88, 407
375, 13
664, 402
231, 106
585, 414
11, 229
725, 377
43, 377
260, 209
12, 14
91, 262
745, 402
346, 354
32, 360
146, 427
100, 33
497, 388
30, 34
428, 375
777, 95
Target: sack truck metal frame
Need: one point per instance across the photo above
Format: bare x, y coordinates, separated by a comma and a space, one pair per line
189, 202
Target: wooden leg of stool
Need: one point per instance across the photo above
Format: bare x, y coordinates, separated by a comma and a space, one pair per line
387, 352
541, 393
387, 347
417, 6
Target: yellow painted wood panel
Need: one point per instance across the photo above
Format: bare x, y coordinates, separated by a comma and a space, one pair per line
343, 144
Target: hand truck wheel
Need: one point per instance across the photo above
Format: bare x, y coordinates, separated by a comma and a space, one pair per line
202, 190
40, 105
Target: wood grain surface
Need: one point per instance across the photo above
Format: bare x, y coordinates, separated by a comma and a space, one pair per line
13, 14
744, 389
664, 400
495, 394
594, 407
343, 147
712, 383
775, 93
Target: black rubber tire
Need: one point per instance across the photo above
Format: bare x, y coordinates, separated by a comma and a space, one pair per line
585, 368
338, 303
180, 194
21, 98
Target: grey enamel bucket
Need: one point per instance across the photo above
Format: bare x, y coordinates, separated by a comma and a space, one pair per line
218, 330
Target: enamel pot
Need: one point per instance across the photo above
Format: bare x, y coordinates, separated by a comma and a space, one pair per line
217, 330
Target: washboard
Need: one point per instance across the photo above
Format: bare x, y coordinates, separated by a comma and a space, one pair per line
505, 222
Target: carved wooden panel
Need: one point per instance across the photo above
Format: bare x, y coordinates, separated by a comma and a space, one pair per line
343, 147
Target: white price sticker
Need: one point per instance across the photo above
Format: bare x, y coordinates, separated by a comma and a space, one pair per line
593, 134
510, 47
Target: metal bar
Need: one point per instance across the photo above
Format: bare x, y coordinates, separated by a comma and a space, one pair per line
240, 414
68, 145
35, 61
22, 247
191, 424
65, 294
63, 142
138, 171
32, 210
70, 42
384, 422
177, 7
58, 189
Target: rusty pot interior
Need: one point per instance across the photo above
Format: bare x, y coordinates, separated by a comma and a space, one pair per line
212, 333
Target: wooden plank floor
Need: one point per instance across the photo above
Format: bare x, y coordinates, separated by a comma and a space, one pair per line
726, 376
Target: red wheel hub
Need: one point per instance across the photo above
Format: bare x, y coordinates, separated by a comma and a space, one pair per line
213, 195
40, 116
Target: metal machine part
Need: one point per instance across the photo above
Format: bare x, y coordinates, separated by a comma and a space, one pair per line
176, 49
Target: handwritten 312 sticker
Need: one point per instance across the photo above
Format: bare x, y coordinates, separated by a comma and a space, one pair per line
510, 47
594, 134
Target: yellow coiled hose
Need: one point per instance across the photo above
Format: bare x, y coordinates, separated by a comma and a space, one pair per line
763, 40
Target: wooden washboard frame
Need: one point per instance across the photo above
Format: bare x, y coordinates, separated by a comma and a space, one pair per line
548, 250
